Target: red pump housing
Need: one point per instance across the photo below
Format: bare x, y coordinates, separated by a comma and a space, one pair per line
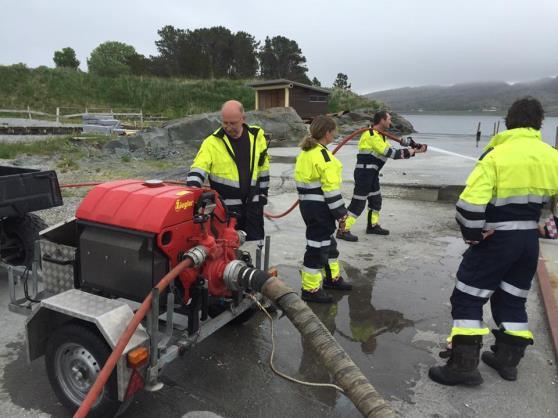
179, 218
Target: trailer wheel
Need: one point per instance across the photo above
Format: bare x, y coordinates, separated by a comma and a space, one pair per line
74, 357
17, 239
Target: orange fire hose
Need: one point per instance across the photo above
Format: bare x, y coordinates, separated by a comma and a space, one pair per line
337, 148
268, 215
107, 369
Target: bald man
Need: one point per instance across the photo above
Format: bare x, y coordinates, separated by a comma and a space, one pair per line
235, 159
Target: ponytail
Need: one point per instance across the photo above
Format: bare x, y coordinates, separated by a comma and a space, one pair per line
318, 128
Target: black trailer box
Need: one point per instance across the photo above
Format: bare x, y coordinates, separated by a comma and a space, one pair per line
25, 190
121, 262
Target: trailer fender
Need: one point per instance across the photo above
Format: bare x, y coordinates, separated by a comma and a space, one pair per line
110, 317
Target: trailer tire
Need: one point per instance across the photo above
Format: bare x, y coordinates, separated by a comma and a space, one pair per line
75, 354
17, 239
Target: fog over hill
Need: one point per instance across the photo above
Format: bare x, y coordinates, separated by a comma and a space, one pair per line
470, 96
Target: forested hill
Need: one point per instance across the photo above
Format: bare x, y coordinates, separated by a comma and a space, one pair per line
470, 96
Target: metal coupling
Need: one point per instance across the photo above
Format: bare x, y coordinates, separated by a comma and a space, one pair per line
232, 273
241, 236
197, 255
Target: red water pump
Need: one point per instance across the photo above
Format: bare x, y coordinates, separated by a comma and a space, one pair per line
132, 232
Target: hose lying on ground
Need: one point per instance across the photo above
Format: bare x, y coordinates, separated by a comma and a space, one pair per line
338, 363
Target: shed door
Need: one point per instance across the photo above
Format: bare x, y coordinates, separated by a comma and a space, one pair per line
271, 98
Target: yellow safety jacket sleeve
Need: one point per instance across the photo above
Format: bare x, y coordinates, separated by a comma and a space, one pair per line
375, 143
471, 207
263, 162
330, 170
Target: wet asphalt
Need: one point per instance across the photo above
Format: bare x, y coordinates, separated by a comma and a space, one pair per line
392, 324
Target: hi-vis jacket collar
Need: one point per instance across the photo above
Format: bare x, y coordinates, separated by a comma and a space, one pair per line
512, 134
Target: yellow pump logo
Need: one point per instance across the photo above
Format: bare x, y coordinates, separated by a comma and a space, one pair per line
179, 205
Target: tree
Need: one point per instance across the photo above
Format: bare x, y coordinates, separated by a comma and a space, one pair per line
342, 82
111, 59
245, 60
316, 82
66, 58
281, 57
213, 52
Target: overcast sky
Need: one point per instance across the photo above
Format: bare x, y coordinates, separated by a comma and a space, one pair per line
379, 44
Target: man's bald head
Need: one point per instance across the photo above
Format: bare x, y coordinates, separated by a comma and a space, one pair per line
232, 118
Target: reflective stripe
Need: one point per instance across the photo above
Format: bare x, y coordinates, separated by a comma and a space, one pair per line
232, 202
515, 326
198, 170
368, 152
226, 182
256, 198
367, 166
312, 185
352, 214
336, 204
501, 201
311, 270
468, 323
332, 193
374, 193
195, 178
263, 173
512, 225
332, 260
253, 182
318, 244
357, 197
264, 184
470, 207
468, 223
473, 291
512, 290
312, 197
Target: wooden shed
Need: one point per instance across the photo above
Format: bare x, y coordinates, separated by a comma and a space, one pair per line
308, 101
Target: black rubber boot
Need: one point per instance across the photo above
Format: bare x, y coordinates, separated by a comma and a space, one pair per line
319, 296
506, 354
376, 229
338, 284
462, 366
346, 236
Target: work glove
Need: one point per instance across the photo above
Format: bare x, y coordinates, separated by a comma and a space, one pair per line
407, 142
263, 199
342, 220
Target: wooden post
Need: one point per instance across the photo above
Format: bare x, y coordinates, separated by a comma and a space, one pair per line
141, 118
29, 112
498, 127
57, 115
478, 135
494, 129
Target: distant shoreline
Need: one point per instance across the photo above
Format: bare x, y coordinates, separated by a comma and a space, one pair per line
459, 113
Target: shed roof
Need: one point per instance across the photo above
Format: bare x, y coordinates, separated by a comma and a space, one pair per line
284, 82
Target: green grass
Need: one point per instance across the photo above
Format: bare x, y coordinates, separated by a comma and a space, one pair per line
44, 89
66, 145
347, 100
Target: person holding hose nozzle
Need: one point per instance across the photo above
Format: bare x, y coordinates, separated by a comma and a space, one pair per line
373, 151
318, 182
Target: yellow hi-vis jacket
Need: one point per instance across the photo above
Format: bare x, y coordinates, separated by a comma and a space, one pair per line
318, 179
216, 159
374, 150
513, 179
